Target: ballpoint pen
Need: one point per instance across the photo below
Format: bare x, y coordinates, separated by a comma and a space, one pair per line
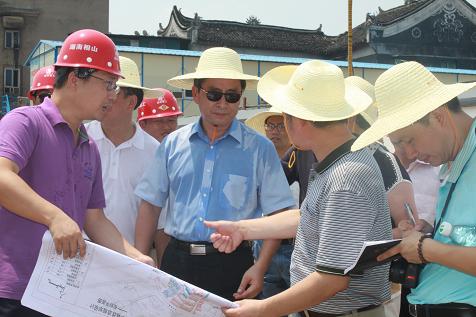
409, 211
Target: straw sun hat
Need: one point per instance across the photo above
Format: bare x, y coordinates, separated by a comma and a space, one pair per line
404, 94
257, 121
132, 78
371, 113
314, 91
215, 62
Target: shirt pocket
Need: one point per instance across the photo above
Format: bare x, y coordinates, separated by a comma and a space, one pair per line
234, 189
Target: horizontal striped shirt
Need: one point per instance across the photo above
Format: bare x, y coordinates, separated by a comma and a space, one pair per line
345, 206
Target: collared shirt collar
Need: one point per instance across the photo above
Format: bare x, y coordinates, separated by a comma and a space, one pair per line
452, 174
52, 112
334, 156
137, 139
54, 116
234, 131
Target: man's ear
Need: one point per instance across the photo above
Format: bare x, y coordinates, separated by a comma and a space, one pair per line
72, 80
440, 115
132, 102
195, 92
142, 124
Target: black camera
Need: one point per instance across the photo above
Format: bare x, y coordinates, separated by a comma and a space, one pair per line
404, 273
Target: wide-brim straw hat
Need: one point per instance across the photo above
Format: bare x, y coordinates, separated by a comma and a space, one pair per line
215, 62
131, 79
313, 91
257, 121
371, 113
404, 94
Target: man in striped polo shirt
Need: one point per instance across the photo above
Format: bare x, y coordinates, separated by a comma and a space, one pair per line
345, 205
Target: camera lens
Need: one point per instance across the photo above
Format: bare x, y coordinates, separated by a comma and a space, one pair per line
397, 271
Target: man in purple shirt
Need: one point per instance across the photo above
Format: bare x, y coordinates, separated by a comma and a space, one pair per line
50, 171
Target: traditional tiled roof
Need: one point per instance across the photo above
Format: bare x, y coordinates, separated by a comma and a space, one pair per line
384, 17
392, 15
276, 38
265, 37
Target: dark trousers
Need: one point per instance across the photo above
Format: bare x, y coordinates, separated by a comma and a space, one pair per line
404, 312
219, 273
13, 308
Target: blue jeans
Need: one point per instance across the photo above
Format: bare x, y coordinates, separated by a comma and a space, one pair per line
276, 278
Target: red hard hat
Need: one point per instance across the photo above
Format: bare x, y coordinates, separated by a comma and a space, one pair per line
89, 49
43, 79
164, 106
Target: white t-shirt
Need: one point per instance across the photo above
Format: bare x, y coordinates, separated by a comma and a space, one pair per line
122, 169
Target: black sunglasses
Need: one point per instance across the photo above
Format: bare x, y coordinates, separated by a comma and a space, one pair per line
230, 97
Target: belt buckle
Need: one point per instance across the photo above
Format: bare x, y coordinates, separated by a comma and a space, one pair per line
413, 310
197, 249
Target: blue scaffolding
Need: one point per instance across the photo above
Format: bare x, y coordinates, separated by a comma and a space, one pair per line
5, 105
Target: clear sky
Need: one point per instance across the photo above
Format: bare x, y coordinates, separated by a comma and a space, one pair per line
126, 16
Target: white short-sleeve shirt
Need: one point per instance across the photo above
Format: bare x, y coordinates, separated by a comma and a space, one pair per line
122, 169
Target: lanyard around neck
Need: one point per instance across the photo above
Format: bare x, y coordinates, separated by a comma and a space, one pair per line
443, 212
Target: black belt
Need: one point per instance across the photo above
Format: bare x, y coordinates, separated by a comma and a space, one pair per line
442, 310
287, 241
359, 310
200, 247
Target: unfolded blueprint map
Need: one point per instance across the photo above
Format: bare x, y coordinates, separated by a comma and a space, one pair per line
107, 283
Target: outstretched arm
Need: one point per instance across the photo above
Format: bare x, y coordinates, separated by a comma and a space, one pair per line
228, 235
312, 290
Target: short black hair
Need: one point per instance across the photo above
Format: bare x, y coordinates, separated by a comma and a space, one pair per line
62, 74
361, 122
454, 106
198, 83
139, 93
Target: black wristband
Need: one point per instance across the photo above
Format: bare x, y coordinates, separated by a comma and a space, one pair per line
420, 248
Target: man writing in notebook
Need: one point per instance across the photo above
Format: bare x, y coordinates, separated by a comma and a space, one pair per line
421, 113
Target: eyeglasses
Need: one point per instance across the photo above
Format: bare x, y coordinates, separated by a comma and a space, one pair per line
271, 126
230, 97
110, 85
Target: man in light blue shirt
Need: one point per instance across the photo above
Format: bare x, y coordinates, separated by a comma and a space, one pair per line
215, 168
420, 113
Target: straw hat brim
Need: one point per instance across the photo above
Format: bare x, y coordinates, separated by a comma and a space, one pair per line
186, 81
148, 93
257, 121
273, 88
409, 113
367, 118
